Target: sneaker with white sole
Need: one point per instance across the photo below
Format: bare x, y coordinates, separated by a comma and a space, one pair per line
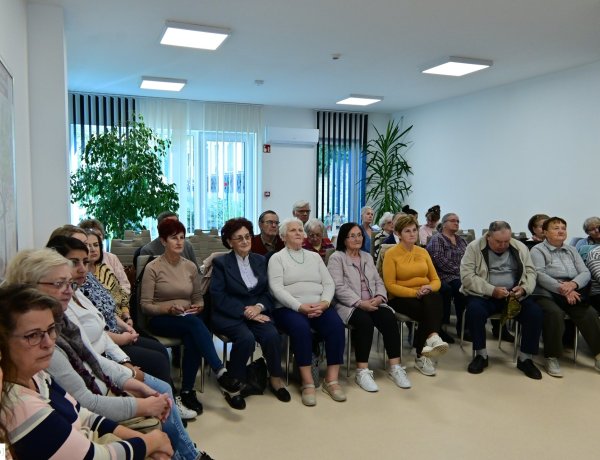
552, 367
364, 379
434, 346
398, 375
184, 412
425, 366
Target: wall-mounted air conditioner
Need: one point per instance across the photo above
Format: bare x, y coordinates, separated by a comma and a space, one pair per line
291, 136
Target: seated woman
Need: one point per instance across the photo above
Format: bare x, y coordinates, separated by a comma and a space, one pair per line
535, 227
432, 218
561, 281
591, 226
366, 223
303, 289
92, 379
412, 285
171, 297
41, 419
360, 301
386, 223
108, 258
242, 305
315, 241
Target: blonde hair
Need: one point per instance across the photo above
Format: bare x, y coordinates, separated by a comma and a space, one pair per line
404, 221
31, 265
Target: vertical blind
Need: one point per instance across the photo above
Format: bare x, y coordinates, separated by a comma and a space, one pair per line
341, 166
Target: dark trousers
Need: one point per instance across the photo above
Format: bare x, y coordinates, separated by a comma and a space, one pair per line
530, 317
584, 317
427, 311
244, 337
197, 342
449, 291
298, 327
364, 323
151, 356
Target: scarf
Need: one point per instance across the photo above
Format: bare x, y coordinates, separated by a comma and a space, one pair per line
71, 343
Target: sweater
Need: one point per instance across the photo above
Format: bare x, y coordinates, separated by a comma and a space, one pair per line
301, 278
156, 248
404, 272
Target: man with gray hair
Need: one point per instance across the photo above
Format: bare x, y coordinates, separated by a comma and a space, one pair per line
301, 210
497, 270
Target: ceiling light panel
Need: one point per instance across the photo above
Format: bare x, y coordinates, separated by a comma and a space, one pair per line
193, 36
457, 66
357, 99
162, 84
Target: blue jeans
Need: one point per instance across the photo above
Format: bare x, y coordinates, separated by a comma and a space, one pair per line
180, 440
197, 342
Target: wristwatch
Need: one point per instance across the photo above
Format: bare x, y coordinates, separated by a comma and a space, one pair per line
125, 360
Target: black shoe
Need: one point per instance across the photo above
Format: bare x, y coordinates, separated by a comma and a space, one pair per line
446, 337
506, 335
189, 400
204, 456
281, 393
529, 369
229, 384
478, 364
236, 402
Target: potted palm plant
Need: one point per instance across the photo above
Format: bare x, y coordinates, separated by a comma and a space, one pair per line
120, 180
387, 170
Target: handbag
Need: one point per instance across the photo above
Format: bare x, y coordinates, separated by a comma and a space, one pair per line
511, 309
142, 424
256, 377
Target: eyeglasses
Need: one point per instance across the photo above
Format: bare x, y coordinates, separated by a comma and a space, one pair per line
303, 211
241, 238
61, 284
354, 236
315, 235
271, 222
593, 229
35, 338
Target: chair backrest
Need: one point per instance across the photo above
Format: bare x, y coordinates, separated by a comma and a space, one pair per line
138, 316
382, 251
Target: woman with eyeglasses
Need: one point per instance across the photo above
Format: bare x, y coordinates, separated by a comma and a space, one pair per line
97, 383
591, 226
361, 302
242, 306
171, 297
41, 419
303, 289
315, 241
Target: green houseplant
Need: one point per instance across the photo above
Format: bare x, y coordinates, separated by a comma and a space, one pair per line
120, 180
387, 170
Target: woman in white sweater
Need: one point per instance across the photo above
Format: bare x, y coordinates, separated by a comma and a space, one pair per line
303, 289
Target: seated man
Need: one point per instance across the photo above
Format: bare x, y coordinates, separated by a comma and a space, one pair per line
446, 250
494, 268
156, 248
268, 240
301, 210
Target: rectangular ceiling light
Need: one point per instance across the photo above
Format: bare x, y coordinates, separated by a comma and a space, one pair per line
458, 66
162, 84
193, 36
357, 99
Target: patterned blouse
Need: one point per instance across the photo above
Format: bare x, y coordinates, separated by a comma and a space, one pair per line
102, 300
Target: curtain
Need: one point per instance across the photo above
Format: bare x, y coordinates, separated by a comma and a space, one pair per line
341, 166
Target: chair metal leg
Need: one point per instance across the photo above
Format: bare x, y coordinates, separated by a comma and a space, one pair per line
287, 360
517, 341
401, 326
348, 333
202, 372
575, 343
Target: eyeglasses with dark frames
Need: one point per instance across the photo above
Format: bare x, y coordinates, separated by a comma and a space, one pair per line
241, 238
61, 284
35, 338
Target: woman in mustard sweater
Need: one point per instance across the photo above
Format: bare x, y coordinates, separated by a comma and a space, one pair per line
412, 285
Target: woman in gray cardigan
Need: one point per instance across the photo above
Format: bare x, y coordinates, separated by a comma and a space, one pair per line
360, 301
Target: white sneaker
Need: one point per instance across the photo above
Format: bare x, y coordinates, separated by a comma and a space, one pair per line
184, 412
425, 366
434, 346
552, 367
398, 375
364, 379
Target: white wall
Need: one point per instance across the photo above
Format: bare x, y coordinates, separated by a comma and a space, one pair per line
13, 52
510, 152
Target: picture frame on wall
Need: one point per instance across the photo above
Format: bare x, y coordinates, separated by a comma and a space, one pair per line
8, 199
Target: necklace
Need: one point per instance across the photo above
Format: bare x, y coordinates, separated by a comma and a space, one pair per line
301, 252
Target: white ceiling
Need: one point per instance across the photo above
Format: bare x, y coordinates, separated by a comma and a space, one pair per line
288, 44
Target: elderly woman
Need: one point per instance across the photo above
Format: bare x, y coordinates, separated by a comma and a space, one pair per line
412, 285
44, 420
561, 281
366, 223
314, 240
86, 373
591, 226
242, 305
108, 258
432, 218
303, 290
360, 301
172, 298
386, 223
535, 227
